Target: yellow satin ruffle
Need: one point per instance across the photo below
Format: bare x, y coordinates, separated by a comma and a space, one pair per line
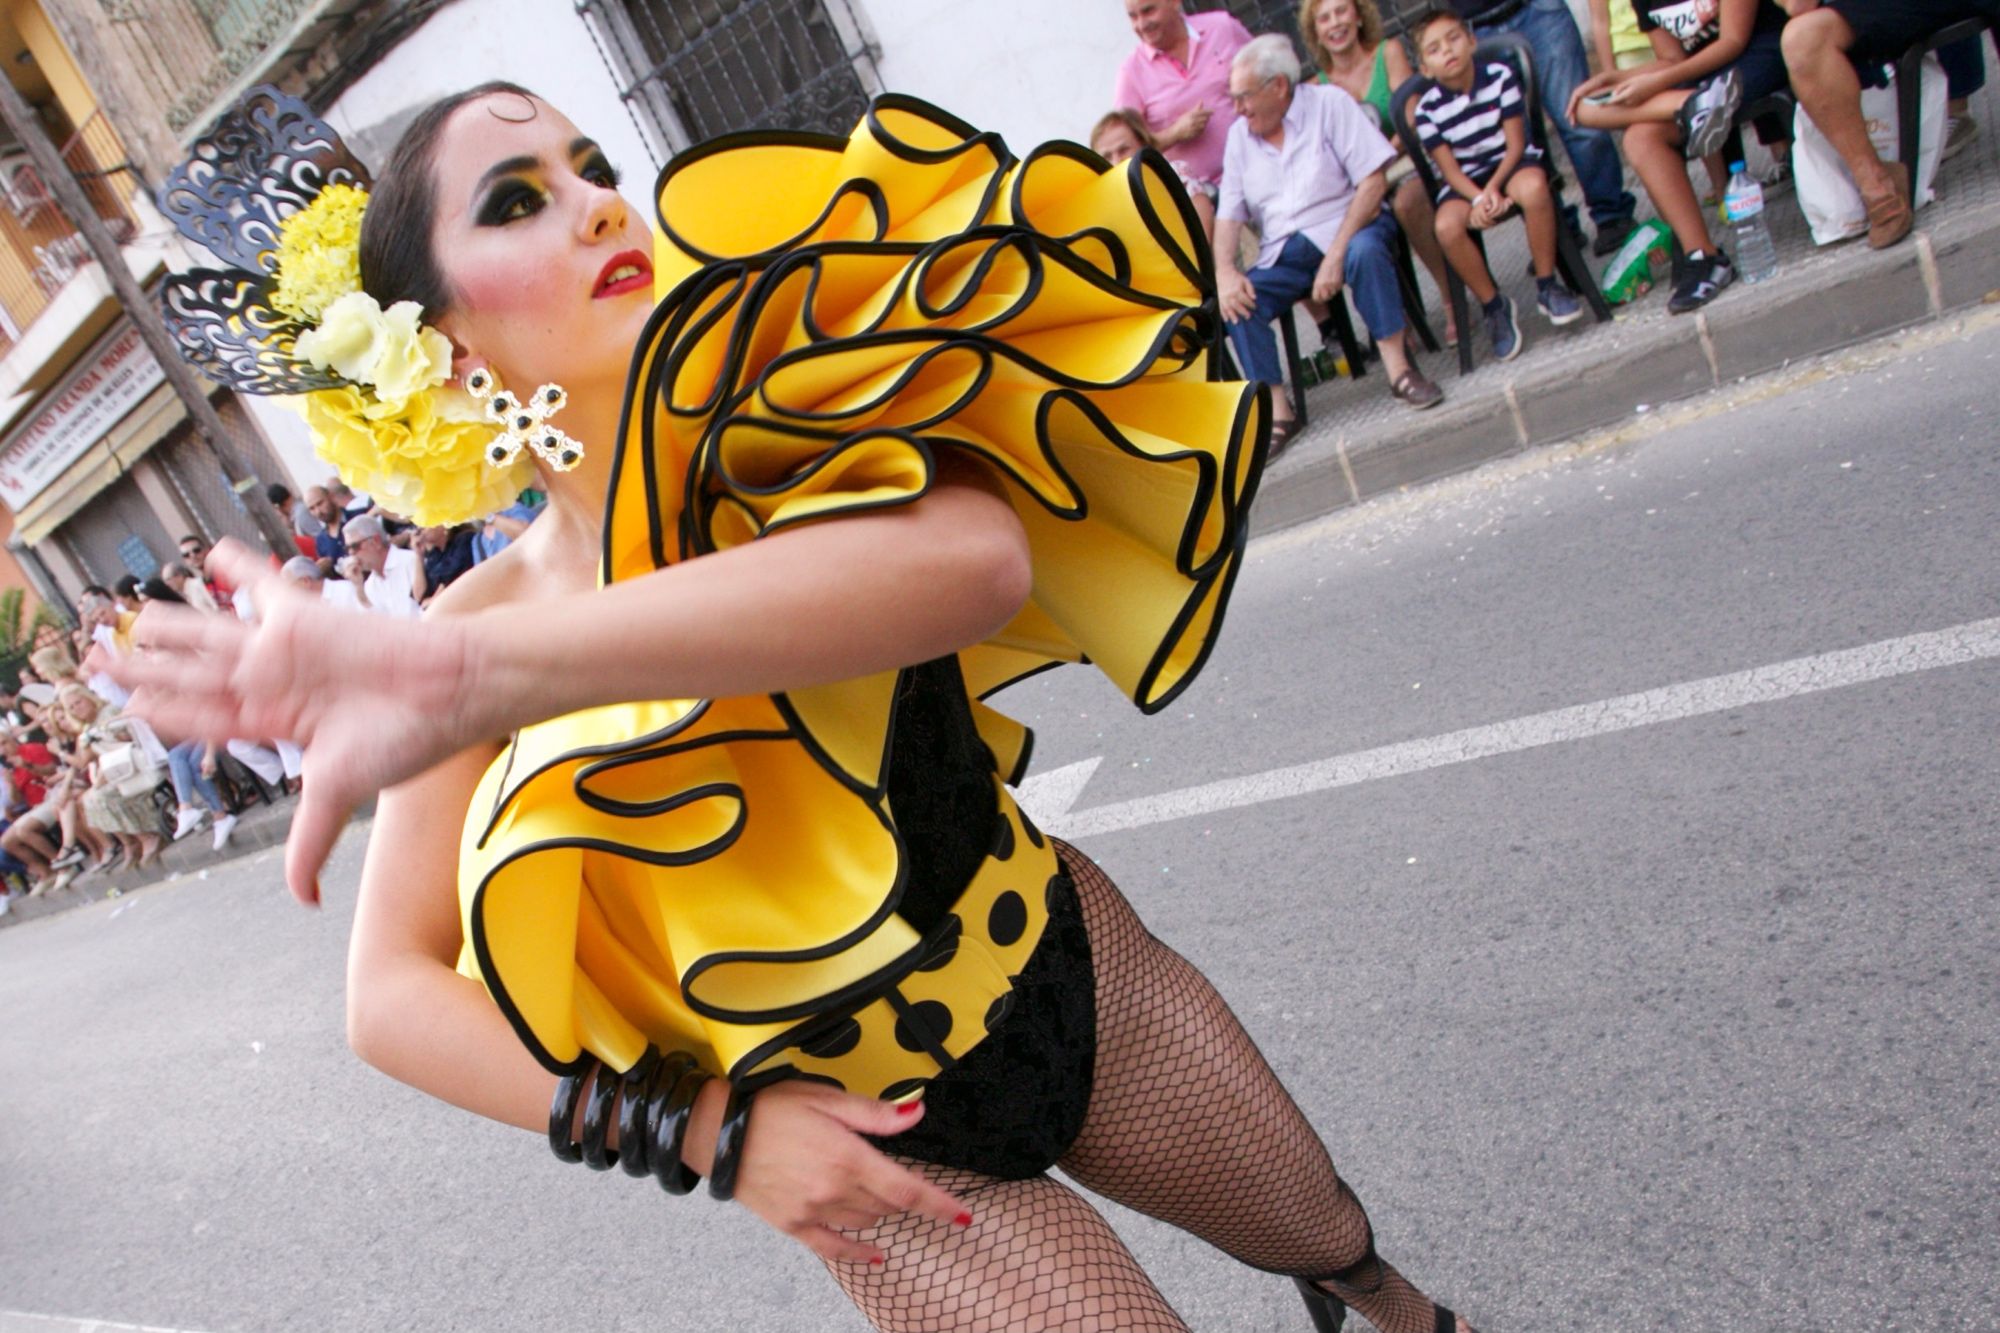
722, 875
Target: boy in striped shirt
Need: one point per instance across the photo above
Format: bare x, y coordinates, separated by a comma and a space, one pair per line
1473, 123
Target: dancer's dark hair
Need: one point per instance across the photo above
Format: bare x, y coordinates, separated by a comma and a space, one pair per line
398, 262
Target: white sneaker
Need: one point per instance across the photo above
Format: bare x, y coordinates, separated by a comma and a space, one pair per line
192, 817
223, 828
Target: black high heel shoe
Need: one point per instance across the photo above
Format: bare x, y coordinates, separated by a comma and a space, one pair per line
1328, 1311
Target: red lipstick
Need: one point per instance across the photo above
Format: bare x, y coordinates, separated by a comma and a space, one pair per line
630, 282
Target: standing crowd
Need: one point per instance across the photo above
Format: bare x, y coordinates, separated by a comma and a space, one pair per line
1310, 189
89, 789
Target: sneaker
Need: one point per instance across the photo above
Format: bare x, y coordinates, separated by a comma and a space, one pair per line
1709, 112
1558, 304
1700, 282
1611, 235
223, 828
192, 817
1958, 132
6, 903
1503, 330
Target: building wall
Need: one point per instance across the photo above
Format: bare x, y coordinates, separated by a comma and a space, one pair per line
1031, 69
541, 46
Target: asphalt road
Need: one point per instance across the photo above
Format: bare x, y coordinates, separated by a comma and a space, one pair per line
1689, 1026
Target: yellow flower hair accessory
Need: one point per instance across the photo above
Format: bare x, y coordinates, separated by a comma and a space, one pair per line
319, 253
273, 193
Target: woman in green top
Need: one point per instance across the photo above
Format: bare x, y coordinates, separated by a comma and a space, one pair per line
1344, 38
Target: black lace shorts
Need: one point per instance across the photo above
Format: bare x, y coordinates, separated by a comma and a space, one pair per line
1016, 1103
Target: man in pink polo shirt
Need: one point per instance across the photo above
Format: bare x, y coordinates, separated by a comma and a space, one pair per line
1178, 79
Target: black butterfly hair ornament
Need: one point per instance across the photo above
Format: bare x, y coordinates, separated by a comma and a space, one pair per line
266, 159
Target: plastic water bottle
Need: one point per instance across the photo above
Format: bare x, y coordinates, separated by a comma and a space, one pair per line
1743, 207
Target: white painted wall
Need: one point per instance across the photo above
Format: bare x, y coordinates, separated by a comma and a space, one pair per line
540, 44
1031, 69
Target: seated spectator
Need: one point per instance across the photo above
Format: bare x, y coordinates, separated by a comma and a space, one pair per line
1964, 64
1344, 38
352, 503
327, 544
1681, 107
194, 554
191, 768
1178, 81
1832, 49
446, 553
505, 528
1473, 123
1561, 63
306, 574
1119, 136
303, 521
128, 824
1308, 165
1615, 40
33, 771
126, 593
390, 579
187, 587
112, 633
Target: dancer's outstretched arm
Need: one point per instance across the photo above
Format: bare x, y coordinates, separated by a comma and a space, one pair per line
822, 602
806, 1169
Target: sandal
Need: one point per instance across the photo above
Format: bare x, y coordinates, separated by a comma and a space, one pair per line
1282, 433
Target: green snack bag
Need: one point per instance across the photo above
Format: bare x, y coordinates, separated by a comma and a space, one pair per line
1638, 263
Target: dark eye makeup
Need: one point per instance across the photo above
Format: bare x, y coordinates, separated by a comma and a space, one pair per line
515, 197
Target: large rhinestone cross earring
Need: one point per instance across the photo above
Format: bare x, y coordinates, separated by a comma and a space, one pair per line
524, 425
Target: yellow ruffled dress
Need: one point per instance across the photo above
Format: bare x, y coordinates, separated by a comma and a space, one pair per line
722, 875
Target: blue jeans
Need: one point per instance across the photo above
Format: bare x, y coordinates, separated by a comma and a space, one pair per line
1370, 273
1560, 65
184, 766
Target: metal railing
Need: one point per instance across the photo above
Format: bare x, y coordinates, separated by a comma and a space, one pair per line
40, 249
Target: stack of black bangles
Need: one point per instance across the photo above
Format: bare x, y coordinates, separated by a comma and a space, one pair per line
658, 1101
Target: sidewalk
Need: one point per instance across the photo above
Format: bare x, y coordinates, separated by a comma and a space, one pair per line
259, 828
1360, 443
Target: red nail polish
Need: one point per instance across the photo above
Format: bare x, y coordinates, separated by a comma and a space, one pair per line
962, 1220
909, 1108
876, 1261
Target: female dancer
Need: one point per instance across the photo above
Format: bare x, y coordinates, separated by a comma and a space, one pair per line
884, 417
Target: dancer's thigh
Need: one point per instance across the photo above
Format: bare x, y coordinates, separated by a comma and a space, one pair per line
1036, 1257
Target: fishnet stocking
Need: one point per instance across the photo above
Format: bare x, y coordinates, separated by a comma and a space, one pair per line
1186, 1123
1036, 1257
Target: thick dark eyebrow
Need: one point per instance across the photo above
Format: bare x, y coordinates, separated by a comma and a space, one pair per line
504, 168
580, 146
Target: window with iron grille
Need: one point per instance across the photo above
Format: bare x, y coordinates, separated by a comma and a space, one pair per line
693, 69
1259, 16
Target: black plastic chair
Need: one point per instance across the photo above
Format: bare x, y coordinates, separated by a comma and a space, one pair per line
1513, 50
1910, 85
1771, 114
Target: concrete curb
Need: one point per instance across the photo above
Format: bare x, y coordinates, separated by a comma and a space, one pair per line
1929, 277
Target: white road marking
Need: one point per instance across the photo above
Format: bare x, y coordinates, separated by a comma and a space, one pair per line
1049, 802
20, 1321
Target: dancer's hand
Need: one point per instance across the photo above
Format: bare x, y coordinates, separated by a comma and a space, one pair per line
373, 700
808, 1172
